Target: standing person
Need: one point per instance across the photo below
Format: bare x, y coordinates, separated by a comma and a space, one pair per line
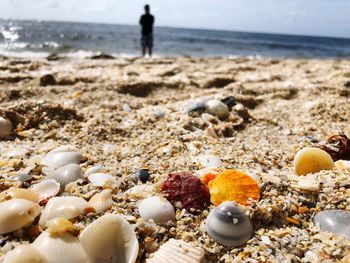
146, 22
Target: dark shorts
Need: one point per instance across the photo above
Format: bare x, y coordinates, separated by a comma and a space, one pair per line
147, 41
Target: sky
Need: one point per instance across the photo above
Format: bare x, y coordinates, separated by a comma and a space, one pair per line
302, 17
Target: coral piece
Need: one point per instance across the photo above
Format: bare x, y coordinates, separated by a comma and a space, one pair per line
187, 189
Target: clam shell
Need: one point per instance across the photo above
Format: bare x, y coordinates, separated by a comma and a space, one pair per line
103, 180
102, 201
17, 213
60, 248
157, 208
66, 174
93, 170
110, 238
5, 128
312, 160
178, 251
25, 253
64, 148
46, 189
334, 221
217, 108
59, 159
22, 177
228, 225
19, 193
67, 207
233, 185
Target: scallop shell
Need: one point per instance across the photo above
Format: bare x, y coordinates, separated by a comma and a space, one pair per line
157, 208
103, 180
58, 226
178, 251
66, 174
110, 238
334, 221
59, 159
228, 225
217, 108
60, 248
19, 193
5, 128
102, 201
46, 189
312, 160
17, 213
25, 253
233, 185
67, 207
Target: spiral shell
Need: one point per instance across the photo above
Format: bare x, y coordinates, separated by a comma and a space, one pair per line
102, 201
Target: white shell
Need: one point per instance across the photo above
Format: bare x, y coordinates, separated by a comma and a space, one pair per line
60, 248
334, 221
66, 174
46, 189
342, 165
25, 253
217, 108
210, 160
141, 191
19, 193
5, 128
17, 213
110, 239
178, 251
64, 148
58, 159
93, 170
157, 208
103, 180
67, 207
102, 201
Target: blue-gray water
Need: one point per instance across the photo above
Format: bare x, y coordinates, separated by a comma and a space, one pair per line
39, 38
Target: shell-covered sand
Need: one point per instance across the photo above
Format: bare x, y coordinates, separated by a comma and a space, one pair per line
129, 113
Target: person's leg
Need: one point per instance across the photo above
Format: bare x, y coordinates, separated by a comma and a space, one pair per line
150, 51
143, 51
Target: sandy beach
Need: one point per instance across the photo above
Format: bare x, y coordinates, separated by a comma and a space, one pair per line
129, 113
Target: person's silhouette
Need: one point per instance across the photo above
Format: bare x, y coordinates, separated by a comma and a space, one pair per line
146, 22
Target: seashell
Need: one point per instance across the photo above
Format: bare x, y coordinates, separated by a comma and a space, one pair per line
312, 160
67, 207
5, 128
178, 251
342, 165
157, 208
103, 180
187, 189
217, 108
19, 193
337, 146
143, 175
209, 119
228, 225
66, 174
64, 148
334, 221
60, 248
110, 238
46, 189
59, 159
22, 177
102, 201
17, 213
25, 253
93, 170
14, 153
141, 191
58, 226
210, 161
233, 185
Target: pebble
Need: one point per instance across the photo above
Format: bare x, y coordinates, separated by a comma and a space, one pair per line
143, 175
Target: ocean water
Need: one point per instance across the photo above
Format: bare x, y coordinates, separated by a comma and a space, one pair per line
40, 38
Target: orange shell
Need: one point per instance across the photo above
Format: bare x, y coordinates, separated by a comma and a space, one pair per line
208, 177
233, 185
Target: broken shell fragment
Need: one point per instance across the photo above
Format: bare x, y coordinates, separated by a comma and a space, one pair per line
103, 180
179, 251
157, 208
60, 248
46, 189
67, 207
342, 165
5, 128
102, 201
228, 225
141, 191
110, 238
66, 174
19, 193
58, 226
59, 159
17, 213
25, 253
312, 160
233, 185
334, 221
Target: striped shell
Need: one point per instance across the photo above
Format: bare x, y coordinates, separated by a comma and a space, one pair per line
178, 251
102, 201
